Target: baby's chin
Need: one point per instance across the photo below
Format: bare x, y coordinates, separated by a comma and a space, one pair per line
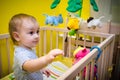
31, 46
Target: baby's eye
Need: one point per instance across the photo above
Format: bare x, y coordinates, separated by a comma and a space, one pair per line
38, 31
31, 32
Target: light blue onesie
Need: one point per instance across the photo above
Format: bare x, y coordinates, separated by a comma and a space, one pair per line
20, 56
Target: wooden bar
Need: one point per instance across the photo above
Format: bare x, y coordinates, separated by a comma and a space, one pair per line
84, 41
51, 39
3, 36
92, 41
92, 69
8, 54
87, 72
45, 42
63, 41
40, 45
81, 75
57, 39
69, 49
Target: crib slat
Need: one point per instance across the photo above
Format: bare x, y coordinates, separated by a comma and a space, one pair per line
69, 51
44, 42
102, 65
51, 39
99, 62
87, 72
92, 69
107, 61
40, 46
65, 43
111, 52
8, 54
64, 36
81, 74
105, 64
92, 41
57, 41
76, 43
84, 41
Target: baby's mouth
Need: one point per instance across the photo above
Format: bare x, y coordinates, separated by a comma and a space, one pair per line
35, 41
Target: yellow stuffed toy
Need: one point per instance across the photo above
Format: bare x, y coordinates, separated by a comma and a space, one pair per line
73, 26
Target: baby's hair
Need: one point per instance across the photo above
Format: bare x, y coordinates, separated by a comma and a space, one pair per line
16, 22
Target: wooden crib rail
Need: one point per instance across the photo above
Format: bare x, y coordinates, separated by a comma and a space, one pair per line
77, 68
79, 31
53, 37
105, 61
70, 39
7, 47
3, 36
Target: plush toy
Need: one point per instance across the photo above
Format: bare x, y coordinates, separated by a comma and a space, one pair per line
53, 20
78, 54
94, 22
73, 25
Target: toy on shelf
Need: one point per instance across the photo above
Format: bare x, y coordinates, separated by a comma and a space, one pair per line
93, 23
73, 23
73, 26
53, 20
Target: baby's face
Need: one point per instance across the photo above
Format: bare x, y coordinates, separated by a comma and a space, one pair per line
29, 34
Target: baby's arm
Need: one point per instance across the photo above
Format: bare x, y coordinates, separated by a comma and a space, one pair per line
39, 63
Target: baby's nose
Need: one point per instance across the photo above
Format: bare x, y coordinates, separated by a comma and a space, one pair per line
36, 35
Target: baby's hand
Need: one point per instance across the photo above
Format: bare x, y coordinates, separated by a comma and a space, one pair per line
55, 52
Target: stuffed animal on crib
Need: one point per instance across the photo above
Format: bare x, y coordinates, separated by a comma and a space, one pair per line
53, 20
78, 54
91, 22
73, 25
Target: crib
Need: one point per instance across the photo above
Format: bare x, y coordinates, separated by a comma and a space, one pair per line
53, 37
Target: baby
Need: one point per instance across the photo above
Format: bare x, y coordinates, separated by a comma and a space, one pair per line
24, 32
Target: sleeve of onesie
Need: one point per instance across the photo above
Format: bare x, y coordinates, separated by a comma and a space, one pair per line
21, 57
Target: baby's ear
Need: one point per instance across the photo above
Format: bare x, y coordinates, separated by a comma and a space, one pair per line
16, 36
